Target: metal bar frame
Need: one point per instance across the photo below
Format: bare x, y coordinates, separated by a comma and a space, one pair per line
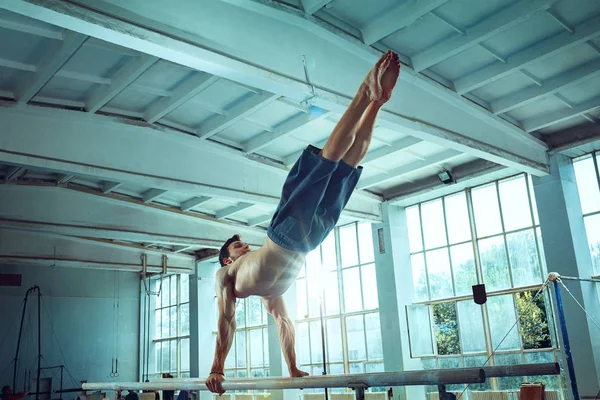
364, 380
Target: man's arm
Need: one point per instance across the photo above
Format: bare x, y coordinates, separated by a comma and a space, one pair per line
225, 331
276, 307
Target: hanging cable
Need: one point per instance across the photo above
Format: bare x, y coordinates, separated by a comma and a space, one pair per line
577, 302
527, 305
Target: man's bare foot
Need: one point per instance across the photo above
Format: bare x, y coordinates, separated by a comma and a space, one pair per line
298, 374
390, 70
372, 83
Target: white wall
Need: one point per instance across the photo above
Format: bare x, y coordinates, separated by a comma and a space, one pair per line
80, 309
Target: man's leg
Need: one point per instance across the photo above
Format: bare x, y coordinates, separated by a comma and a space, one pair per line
343, 135
364, 132
276, 307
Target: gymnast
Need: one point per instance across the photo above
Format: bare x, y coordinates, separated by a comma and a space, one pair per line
315, 192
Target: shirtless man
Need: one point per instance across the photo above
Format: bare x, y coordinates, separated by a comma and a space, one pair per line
315, 192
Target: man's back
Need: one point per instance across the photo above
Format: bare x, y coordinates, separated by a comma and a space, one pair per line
266, 272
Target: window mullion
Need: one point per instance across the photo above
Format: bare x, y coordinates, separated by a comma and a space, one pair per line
594, 157
535, 236
424, 254
508, 263
448, 246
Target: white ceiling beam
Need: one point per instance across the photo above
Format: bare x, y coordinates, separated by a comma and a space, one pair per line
554, 117
51, 62
407, 168
47, 32
312, 6
14, 173
259, 220
340, 38
531, 157
109, 187
483, 30
237, 113
193, 202
25, 246
152, 194
549, 87
229, 211
145, 223
396, 146
547, 48
125, 77
398, 18
181, 94
284, 129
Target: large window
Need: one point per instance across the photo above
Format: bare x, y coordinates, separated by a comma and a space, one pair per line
339, 281
249, 354
171, 326
588, 183
488, 234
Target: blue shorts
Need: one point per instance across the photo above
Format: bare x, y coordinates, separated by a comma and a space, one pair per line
313, 197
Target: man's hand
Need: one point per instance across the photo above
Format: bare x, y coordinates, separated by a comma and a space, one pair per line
214, 383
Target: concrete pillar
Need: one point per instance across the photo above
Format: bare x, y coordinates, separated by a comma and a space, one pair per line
395, 291
567, 252
203, 322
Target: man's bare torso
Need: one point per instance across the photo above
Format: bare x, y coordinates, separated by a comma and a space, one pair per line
266, 272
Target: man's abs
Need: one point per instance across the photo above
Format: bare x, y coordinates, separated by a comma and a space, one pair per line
268, 271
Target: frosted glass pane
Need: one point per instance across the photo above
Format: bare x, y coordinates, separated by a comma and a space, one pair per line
373, 331
185, 354
240, 313
470, 321
417, 262
355, 332
587, 184
486, 211
302, 343
240, 341
515, 203
332, 295
440, 276
301, 300
352, 295
434, 230
463, 268
348, 245
369, 287
414, 229
502, 316
256, 348
316, 342
185, 288
365, 243
334, 341
457, 218
328, 252
592, 228
419, 329
523, 256
494, 264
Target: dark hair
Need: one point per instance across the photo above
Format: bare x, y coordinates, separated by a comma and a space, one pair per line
5, 389
224, 253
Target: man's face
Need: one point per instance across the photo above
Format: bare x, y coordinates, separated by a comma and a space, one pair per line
237, 249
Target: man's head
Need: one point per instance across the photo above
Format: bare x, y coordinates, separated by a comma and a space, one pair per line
232, 249
6, 390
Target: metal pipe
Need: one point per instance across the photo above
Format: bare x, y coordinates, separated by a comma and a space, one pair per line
377, 379
575, 278
16, 360
39, 366
565, 337
522, 370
